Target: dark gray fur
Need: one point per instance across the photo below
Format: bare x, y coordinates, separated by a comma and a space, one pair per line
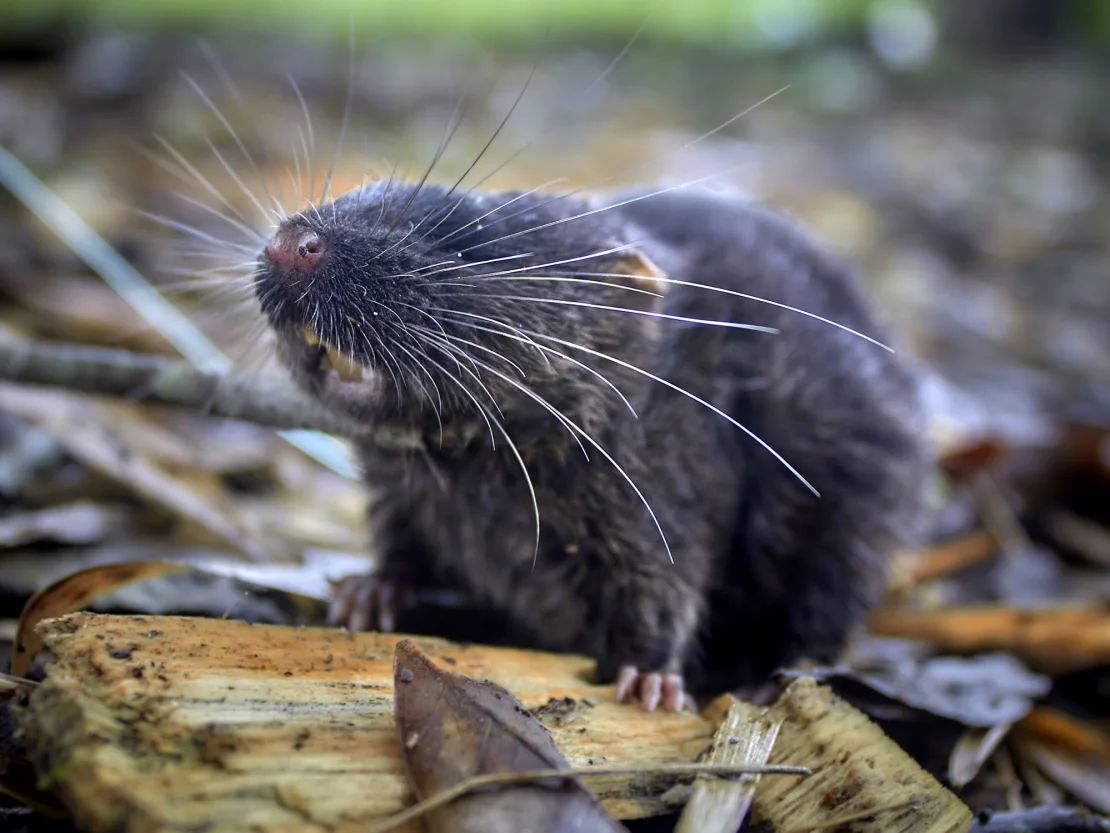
764, 573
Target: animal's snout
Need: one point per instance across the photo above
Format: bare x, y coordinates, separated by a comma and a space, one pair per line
295, 249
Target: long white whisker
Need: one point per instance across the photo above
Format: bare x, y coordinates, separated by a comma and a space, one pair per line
474, 344
218, 113
525, 340
238, 180
488, 367
489, 320
192, 170
731, 120
195, 232
666, 316
505, 204
571, 424
737, 294
470, 264
477, 279
595, 211
686, 393
231, 221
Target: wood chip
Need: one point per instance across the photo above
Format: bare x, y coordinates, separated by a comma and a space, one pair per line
859, 774
745, 736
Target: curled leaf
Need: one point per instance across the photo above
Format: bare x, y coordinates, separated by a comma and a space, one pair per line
453, 728
74, 592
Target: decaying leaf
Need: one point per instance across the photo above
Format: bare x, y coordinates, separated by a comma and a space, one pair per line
453, 728
982, 691
73, 593
971, 751
1079, 737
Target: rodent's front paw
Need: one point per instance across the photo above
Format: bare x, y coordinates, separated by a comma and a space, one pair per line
369, 602
652, 689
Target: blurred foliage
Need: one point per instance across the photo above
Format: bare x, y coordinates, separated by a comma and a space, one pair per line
735, 23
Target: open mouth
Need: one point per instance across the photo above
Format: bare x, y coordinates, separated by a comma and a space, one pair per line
331, 359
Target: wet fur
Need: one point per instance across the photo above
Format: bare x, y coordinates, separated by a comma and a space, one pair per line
764, 573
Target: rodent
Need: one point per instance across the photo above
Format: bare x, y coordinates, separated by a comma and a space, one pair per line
469, 321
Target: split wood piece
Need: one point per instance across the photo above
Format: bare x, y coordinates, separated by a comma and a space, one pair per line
860, 776
149, 723
1052, 639
744, 737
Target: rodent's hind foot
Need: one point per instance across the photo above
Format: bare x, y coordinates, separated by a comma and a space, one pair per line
369, 602
652, 689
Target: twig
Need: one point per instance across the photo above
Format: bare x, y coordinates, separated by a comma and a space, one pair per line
720, 807
10, 684
161, 381
500, 779
142, 295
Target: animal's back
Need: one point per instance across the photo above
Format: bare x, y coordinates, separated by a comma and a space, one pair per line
800, 570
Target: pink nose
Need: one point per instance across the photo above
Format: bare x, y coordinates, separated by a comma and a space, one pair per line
294, 248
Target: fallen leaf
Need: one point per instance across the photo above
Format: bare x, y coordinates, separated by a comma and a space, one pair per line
982, 691
971, 751
453, 728
72, 593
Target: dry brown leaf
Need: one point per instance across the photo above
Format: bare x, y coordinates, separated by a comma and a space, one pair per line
453, 728
72, 593
971, 458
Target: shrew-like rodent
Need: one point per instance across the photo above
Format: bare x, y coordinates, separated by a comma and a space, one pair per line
627, 424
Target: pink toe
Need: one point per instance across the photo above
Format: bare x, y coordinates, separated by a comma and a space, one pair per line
337, 609
673, 697
650, 691
385, 608
626, 682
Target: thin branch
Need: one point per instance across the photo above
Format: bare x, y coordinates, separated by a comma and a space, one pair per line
160, 381
508, 779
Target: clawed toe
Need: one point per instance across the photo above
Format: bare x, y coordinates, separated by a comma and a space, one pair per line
652, 689
362, 603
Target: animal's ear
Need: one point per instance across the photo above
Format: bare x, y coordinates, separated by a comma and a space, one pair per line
642, 276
